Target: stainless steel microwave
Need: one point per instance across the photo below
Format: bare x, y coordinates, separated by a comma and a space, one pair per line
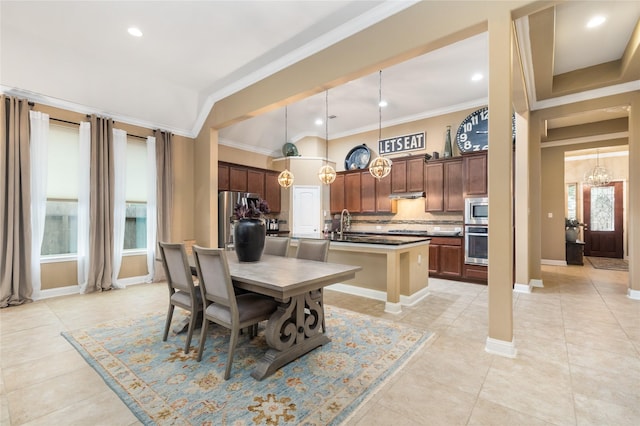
476, 211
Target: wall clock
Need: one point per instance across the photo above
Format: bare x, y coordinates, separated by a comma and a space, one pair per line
473, 133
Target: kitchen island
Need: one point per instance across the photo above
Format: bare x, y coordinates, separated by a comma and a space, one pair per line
394, 268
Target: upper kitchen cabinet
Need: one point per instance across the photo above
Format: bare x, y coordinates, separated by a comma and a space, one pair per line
352, 195
337, 194
443, 186
272, 191
255, 182
223, 177
237, 178
383, 189
368, 192
474, 168
407, 175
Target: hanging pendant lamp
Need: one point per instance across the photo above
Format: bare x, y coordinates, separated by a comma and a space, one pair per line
597, 176
380, 167
285, 178
327, 174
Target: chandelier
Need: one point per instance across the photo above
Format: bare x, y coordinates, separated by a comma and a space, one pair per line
285, 178
380, 167
598, 175
327, 174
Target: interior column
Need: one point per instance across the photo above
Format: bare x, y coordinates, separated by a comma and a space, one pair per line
522, 217
634, 197
500, 339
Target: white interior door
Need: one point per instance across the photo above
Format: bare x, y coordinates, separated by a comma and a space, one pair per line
306, 209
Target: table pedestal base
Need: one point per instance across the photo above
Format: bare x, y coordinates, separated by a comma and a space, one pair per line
293, 330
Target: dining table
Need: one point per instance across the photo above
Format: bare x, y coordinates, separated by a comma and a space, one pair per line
295, 328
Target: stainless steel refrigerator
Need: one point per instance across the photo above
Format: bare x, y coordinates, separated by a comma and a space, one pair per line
227, 201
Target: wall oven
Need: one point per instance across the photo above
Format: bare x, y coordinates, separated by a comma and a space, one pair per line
476, 211
476, 244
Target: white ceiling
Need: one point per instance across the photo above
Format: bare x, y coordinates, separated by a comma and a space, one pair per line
78, 55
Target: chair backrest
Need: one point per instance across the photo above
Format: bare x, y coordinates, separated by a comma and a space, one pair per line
176, 267
215, 280
276, 246
313, 249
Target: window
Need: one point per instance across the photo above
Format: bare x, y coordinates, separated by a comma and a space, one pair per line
135, 228
61, 221
572, 200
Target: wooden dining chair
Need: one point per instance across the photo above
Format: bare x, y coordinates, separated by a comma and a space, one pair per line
317, 250
276, 246
182, 290
222, 305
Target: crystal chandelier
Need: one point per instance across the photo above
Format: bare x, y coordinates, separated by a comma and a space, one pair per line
285, 178
380, 167
327, 174
597, 176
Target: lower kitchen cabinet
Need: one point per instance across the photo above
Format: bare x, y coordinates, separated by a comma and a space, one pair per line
446, 257
476, 273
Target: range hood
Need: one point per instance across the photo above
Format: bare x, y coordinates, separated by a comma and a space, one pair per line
407, 195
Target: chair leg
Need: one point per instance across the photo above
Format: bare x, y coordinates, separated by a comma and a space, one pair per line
192, 325
232, 346
203, 336
168, 323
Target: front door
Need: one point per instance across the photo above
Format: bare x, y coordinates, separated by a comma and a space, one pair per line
603, 216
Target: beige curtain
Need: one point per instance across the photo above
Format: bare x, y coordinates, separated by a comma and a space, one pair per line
101, 206
15, 203
164, 140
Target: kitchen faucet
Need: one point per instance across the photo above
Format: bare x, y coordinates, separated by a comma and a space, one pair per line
342, 227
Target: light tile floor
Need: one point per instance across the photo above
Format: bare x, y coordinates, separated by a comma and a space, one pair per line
578, 362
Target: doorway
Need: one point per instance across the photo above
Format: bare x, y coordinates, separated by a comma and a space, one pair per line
603, 216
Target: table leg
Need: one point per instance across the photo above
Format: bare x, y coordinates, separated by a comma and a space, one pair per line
293, 330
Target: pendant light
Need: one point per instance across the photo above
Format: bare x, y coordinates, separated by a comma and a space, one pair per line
380, 167
597, 176
327, 174
285, 178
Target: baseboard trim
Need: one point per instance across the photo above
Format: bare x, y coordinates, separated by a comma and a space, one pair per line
553, 262
633, 294
60, 291
536, 283
501, 347
522, 288
389, 307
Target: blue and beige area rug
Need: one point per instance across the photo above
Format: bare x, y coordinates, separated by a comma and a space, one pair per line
161, 385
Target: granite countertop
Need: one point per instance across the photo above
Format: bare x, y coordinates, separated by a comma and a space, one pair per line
363, 238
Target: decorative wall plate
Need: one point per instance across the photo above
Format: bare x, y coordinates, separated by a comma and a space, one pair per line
289, 150
358, 158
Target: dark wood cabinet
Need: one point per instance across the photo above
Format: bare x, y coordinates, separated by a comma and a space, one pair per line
336, 199
399, 175
352, 196
237, 178
367, 192
434, 185
223, 177
574, 252
272, 191
453, 197
383, 189
478, 273
415, 174
443, 186
475, 174
446, 257
255, 182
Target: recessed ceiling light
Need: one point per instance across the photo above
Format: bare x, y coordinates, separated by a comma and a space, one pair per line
319, 121
596, 21
134, 31
477, 77
383, 103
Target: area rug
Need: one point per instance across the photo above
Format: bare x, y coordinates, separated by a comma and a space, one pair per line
609, 263
161, 385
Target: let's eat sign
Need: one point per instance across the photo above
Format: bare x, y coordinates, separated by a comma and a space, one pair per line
403, 143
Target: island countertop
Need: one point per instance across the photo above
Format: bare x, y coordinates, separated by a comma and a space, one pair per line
362, 238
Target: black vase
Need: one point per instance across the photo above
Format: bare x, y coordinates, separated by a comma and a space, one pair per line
248, 239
